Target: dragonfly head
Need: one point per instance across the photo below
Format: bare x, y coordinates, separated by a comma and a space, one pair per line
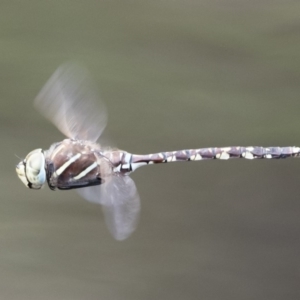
31, 170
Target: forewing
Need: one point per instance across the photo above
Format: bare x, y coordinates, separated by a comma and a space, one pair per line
70, 102
120, 202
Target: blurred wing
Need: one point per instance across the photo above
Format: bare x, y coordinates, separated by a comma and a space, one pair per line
120, 202
70, 102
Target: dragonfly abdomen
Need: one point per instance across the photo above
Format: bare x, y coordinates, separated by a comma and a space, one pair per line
251, 152
133, 161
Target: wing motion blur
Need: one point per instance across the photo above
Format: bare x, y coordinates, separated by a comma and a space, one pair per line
120, 203
69, 100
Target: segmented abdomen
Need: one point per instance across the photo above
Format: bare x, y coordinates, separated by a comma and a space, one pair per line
132, 162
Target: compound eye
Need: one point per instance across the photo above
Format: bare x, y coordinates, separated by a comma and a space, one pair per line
34, 162
35, 169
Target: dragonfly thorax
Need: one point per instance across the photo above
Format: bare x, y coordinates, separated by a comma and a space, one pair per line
76, 163
31, 170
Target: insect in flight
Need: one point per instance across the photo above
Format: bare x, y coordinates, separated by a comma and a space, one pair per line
99, 174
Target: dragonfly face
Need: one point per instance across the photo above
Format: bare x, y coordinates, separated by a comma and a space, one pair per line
31, 170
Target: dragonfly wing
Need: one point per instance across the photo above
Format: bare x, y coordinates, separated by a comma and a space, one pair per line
93, 194
120, 202
122, 207
70, 102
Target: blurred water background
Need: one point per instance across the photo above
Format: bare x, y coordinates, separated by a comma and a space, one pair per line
174, 75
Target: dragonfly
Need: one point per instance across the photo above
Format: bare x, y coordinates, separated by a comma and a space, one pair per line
101, 174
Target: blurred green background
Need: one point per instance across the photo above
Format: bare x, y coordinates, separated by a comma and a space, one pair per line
174, 75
